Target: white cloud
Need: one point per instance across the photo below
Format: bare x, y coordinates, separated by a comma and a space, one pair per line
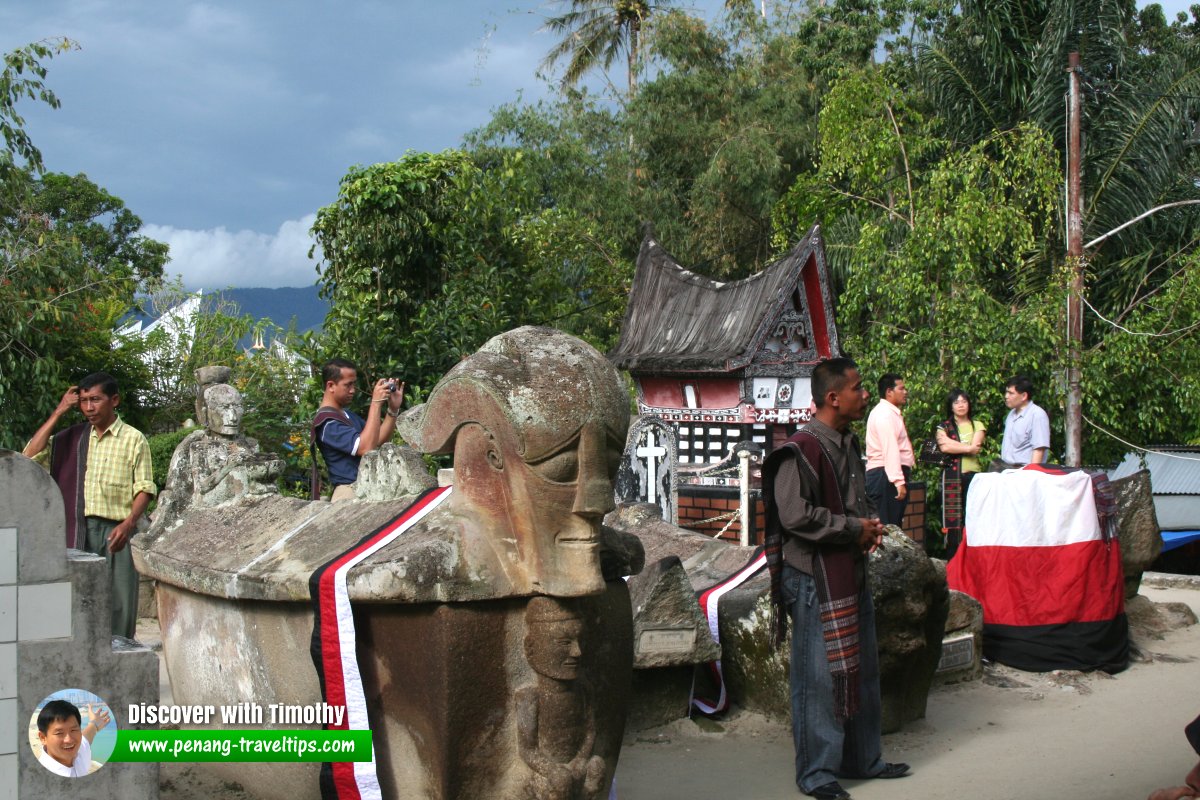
218, 258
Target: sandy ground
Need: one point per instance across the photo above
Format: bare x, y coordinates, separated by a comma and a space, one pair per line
1052, 736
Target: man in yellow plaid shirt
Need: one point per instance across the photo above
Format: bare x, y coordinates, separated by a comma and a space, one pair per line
104, 470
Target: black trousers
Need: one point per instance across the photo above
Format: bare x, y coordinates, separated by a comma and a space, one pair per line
883, 494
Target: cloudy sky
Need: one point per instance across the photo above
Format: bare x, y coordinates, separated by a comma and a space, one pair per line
226, 125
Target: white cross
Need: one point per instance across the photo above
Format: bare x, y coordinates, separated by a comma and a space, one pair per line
650, 452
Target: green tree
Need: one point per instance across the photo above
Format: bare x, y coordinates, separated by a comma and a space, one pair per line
941, 252
931, 241
999, 64
71, 264
427, 257
23, 77
71, 261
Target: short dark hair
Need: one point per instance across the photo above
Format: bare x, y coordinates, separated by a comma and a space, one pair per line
956, 393
830, 376
888, 381
1022, 384
332, 371
57, 711
106, 382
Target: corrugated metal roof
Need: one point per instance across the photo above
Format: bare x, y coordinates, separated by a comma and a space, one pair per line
1173, 470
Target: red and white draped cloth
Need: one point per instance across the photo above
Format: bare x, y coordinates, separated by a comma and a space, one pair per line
1050, 582
710, 599
334, 652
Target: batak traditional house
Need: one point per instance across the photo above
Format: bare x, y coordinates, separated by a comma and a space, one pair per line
726, 362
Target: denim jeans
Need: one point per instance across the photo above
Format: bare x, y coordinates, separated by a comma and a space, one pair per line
825, 748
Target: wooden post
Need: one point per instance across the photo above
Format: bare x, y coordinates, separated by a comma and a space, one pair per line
1074, 410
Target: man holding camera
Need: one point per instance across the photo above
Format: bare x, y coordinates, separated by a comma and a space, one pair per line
343, 436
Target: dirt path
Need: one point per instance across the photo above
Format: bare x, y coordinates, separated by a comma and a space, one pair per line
1015, 735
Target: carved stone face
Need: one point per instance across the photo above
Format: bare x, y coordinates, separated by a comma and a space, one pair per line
537, 419
224, 410
552, 639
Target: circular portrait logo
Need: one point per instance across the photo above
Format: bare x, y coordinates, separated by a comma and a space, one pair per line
72, 733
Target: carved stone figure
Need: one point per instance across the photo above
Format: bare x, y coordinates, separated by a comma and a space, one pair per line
555, 719
536, 420
215, 466
206, 377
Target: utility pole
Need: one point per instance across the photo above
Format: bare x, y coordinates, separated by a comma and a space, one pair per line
1074, 418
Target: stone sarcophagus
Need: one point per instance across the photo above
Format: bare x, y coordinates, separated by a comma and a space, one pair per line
492, 634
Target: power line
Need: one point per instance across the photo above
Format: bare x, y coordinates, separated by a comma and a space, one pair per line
1136, 446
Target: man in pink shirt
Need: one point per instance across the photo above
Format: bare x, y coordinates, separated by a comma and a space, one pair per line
889, 452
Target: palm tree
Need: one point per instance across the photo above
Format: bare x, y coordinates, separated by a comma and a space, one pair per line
595, 32
1001, 62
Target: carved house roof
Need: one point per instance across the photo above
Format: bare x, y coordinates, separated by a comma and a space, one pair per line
775, 322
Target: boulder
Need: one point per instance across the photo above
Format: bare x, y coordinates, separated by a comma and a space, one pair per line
668, 628
962, 644
911, 605
1140, 536
392, 471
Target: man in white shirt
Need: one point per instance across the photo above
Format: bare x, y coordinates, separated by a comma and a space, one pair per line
1027, 428
66, 747
889, 452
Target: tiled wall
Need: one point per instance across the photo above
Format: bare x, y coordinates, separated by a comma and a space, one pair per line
8, 664
30, 611
55, 633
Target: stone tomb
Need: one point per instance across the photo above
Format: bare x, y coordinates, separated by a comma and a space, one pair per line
473, 689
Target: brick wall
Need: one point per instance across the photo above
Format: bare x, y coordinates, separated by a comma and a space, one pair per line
700, 503
914, 513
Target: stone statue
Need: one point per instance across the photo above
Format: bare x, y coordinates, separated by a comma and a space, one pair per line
536, 420
439, 602
555, 718
216, 465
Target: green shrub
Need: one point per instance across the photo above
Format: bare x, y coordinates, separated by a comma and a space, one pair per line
162, 447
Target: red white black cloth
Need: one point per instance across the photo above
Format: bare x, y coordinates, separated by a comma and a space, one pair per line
1049, 580
335, 655
710, 600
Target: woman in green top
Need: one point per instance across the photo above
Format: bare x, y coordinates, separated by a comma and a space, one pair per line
961, 438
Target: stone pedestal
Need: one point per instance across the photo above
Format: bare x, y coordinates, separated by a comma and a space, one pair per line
441, 681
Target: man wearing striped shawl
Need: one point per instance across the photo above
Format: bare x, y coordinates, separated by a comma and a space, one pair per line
820, 528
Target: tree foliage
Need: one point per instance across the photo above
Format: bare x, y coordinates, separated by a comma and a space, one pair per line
427, 257
937, 246
71, 262
595, 33
925, 135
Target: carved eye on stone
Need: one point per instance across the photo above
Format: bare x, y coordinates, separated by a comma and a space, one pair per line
562, 467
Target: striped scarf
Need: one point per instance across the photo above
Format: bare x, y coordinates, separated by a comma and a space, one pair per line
68, 463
